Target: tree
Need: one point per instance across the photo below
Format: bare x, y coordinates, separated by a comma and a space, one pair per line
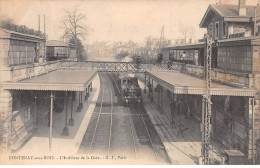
75, 29
6, 22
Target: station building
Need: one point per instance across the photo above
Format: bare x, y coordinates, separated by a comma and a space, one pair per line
235, 63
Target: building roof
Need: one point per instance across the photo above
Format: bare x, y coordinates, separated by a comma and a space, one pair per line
56, 43
59, 80
186, 46
229, 13
180, 83
8, 34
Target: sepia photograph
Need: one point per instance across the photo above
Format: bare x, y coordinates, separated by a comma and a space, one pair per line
129, 82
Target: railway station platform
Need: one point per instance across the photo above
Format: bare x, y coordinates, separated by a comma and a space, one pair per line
69, 95
65, 145
183, 141
173, 100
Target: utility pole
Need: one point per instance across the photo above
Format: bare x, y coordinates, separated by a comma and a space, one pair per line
206, 107
39, 22
44, 47
44, 24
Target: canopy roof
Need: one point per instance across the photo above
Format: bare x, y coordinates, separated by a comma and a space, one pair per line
60, 80
186, 46
8, 34
179, 83
56, 43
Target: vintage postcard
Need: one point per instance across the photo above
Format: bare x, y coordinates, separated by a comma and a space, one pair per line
129, 82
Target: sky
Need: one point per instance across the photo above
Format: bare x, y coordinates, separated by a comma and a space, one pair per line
115, 20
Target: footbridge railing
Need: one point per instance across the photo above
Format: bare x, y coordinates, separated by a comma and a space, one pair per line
120, 66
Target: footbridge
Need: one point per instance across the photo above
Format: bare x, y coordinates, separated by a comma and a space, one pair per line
129, 67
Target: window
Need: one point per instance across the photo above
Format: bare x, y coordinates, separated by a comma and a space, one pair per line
216, 29
224, 28
210, 29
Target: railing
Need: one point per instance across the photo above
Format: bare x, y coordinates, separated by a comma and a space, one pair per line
227, 77
237, 35
119, 66
27, 71
218, 75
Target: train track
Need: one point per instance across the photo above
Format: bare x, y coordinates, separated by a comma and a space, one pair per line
98, 117
131, 125
111, 118
118, 130
98, 120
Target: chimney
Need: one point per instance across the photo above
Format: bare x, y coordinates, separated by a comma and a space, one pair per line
242, 8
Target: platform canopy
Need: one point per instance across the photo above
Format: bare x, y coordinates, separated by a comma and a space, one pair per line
59, 80
179, 83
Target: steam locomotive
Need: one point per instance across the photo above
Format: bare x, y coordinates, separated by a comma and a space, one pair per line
129, 89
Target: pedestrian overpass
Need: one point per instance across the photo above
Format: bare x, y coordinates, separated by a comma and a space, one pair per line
129, 67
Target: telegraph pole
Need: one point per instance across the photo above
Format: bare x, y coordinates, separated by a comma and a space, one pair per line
206, 107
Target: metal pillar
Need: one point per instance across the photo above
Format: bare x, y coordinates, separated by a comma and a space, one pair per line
65, 131
71, 120
36, 110
206, 113
144, 83
172, 110
86, 95
51, 111
251, 104
78, 108
91, 89
88, 91
81, 104
161, 99
73, 96
159, 90
180, 105
152, 92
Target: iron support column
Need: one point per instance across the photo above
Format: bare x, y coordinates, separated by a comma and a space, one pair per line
161, 95
152, 91
51, 111
252, 103
144, 83
71, 120
81, 104
36, 110
65, 131
159, 92
91, 89
87, 92
172, 110
78, 108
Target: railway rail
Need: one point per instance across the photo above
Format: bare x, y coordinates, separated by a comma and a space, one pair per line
119, 130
